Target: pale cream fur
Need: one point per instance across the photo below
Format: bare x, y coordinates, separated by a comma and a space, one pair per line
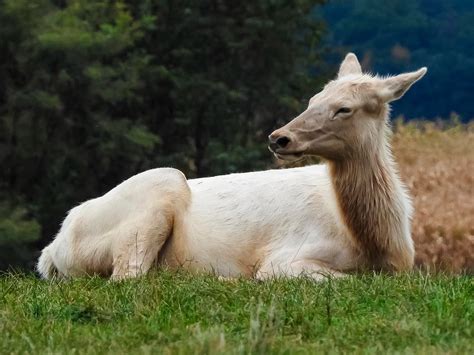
348, 214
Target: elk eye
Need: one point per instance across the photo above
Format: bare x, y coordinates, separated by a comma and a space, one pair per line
343, 110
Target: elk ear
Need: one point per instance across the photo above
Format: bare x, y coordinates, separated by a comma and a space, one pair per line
393, 88
350, 65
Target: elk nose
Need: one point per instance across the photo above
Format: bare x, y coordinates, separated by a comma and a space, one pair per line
278, 142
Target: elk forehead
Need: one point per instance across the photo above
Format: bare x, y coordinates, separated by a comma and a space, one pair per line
346, 90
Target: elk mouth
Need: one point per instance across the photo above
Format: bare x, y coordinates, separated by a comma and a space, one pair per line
288, 156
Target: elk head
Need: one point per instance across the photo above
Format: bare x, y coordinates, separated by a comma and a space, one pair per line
347, 117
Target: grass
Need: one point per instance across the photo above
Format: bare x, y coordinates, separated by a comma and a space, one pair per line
169, 312
437, 164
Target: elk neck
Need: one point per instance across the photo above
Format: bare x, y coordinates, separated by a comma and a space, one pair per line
370, 197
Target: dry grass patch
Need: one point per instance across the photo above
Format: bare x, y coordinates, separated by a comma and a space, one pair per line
437, 163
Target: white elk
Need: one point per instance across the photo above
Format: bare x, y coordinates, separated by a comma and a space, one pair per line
350, 213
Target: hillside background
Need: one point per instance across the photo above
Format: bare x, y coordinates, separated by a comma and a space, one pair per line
402, 35
92, 92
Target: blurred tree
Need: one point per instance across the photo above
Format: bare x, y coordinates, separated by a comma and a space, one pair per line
94, 91
18, 233
402, 35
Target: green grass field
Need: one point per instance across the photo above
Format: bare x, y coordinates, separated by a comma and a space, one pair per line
181, 313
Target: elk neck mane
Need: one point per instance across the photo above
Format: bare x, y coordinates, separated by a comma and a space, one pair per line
373, 202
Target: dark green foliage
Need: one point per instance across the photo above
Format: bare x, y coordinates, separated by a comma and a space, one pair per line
18, 232
92, 92
182, 313
401, 35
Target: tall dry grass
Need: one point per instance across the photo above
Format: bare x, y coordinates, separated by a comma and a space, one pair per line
437, 164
